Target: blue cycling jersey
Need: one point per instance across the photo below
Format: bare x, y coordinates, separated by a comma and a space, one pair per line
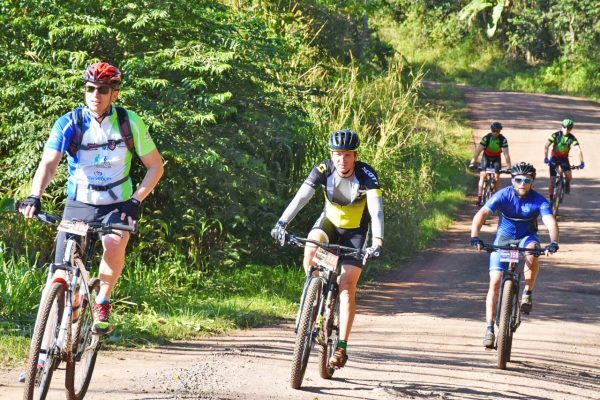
518, 216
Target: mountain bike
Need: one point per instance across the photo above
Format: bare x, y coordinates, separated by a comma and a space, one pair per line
488, 183
63, 327
508, 310
559, 187
318, 316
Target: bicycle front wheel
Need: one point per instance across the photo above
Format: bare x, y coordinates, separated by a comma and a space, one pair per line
559, 191
45, 334
327, 349
85, 347
504, 330
304, 337
488, 186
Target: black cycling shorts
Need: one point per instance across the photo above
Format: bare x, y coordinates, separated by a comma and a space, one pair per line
88, 213
355, 238
490, 162
563, 162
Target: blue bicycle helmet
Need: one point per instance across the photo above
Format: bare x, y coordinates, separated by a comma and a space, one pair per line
344, 139
496, 126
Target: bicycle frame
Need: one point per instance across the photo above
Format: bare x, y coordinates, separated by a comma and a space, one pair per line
67, 289
315, 321
330, 287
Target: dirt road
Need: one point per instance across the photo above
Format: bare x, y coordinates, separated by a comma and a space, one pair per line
419, 331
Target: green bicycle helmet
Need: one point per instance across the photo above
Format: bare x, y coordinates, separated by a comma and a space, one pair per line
567, 123
344, 139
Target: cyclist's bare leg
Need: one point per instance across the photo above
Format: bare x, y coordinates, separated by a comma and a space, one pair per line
496, 182
551, 186
492, 296
480, 187
568, 177
348, 281
311, 249
532, 266
113, 260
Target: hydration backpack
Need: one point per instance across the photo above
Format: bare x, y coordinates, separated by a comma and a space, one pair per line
77, 136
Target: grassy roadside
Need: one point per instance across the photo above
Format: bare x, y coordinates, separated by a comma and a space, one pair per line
481, 63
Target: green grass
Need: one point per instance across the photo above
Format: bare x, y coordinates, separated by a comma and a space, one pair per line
192, 306
484, 63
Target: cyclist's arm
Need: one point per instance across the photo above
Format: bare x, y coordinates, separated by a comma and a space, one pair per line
45, 171
478, 151
303, 196
546, 147
506, 156
478, 221
580, 153
154, 170
552, 226
375, 206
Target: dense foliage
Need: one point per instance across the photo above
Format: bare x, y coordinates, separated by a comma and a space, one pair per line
239, 97
554, 44
234, 97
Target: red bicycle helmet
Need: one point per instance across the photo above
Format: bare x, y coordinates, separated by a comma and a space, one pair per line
103, 72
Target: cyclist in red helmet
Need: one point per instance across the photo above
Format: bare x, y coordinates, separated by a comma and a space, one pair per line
99, 141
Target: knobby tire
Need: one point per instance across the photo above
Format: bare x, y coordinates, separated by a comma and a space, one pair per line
331, 333
49, 318
85, 348
487, 190
304, 339
559, 191
504, 330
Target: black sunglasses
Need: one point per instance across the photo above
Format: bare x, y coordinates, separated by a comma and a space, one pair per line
100, 89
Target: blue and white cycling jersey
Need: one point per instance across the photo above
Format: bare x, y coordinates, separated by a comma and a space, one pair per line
100, 166
518, 216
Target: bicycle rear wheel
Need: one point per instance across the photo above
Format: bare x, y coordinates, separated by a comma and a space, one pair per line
39, 372
326, 350
304, 337
504, 330
85, 348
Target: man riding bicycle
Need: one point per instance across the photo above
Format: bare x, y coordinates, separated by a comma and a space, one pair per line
519, 207
99, 188
352, 200
561, 142
492, 145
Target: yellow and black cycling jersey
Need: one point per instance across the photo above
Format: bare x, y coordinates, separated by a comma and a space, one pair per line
345, 198
350, 202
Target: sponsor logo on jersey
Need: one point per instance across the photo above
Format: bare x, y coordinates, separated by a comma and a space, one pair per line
371, 175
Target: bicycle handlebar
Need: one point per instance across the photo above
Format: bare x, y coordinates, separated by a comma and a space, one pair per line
490, 248
296, 240
501, 171
94, 227
560, 165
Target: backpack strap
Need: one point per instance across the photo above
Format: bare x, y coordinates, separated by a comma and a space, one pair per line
125, 128
77, 136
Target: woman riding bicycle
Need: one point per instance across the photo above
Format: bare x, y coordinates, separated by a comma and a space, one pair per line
492, 145
352, 200
519, 207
